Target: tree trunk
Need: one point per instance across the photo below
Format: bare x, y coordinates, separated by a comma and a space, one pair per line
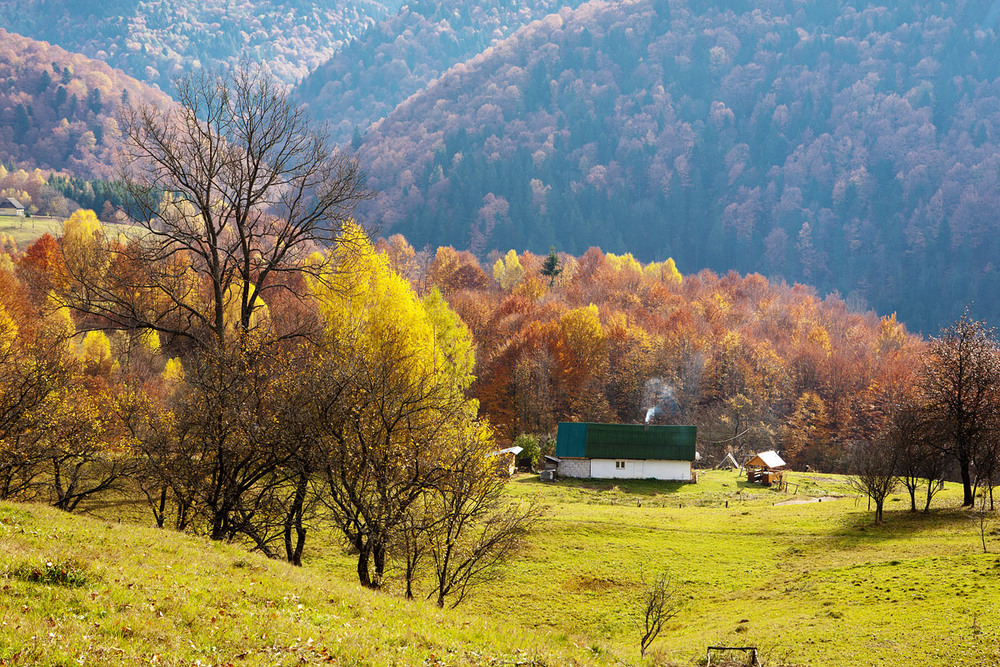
378, 556
159, 512
969, 498
293, 521
364, 558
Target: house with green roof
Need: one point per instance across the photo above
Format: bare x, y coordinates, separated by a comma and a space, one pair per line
625, 451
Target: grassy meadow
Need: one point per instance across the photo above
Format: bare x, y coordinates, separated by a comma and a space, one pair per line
25, 230
809, 584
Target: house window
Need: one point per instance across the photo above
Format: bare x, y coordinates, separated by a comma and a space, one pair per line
620, 465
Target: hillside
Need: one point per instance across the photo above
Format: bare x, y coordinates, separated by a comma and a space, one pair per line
840, 144
812, 584
59, 108
156, 41
87, 591
398, 57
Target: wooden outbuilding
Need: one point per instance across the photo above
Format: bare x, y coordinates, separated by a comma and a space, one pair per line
11, 206
506, 460
765, 468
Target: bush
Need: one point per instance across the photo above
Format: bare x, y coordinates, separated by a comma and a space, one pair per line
529, 444
58, 573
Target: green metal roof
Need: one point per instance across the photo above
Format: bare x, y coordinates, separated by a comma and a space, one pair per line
626, 441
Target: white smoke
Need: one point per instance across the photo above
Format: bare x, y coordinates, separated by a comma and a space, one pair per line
658, 398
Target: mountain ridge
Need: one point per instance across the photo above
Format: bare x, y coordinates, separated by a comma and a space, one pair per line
822, 143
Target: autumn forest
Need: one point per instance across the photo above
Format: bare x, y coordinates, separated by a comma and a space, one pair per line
306, 288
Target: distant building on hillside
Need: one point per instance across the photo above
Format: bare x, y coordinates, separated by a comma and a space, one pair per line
11, 206
625, 451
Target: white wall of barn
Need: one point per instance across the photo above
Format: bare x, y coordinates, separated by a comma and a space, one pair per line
640, 469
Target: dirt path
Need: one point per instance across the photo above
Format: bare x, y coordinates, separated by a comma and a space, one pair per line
803, 501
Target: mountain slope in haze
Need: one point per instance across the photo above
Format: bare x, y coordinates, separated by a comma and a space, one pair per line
851, 146
58, 109
157, 41
367, 78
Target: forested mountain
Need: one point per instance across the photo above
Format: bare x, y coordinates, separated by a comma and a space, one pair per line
156, 41
843, 144
58, 108
367, 78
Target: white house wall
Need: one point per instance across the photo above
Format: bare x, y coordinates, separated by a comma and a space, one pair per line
640, 469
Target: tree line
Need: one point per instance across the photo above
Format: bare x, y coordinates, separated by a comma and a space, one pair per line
755, 365
245, 362
937, 421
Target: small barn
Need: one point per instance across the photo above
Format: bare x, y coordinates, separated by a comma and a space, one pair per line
625, 451
507, 460
11, 206
765, 468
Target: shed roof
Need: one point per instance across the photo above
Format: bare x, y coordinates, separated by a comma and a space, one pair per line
626, 441
10, 202
769, 459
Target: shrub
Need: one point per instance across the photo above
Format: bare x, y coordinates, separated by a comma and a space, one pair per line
59, 573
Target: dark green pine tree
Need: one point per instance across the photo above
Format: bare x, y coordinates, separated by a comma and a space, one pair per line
550, 267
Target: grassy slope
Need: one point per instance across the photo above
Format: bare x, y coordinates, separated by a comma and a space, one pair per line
811, 584
157, 597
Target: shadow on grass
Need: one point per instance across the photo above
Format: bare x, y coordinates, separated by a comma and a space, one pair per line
858, 526
642, 487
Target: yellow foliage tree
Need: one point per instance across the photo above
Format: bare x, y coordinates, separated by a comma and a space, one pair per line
173, 371
508, 270
624, 262
95, 353
8, 331
390, 396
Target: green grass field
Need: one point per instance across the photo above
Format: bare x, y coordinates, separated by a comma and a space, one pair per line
26, 230
810, 584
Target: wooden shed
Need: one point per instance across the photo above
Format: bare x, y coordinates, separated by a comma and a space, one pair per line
507, 460
765, 468
11, 206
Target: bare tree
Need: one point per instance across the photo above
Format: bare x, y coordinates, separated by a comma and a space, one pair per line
381, 429
981, 516
232, 444
234, 192
658, 607
474, 530
961, 382
873, 467
84, 454
918, 462
987, 466
30, 380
